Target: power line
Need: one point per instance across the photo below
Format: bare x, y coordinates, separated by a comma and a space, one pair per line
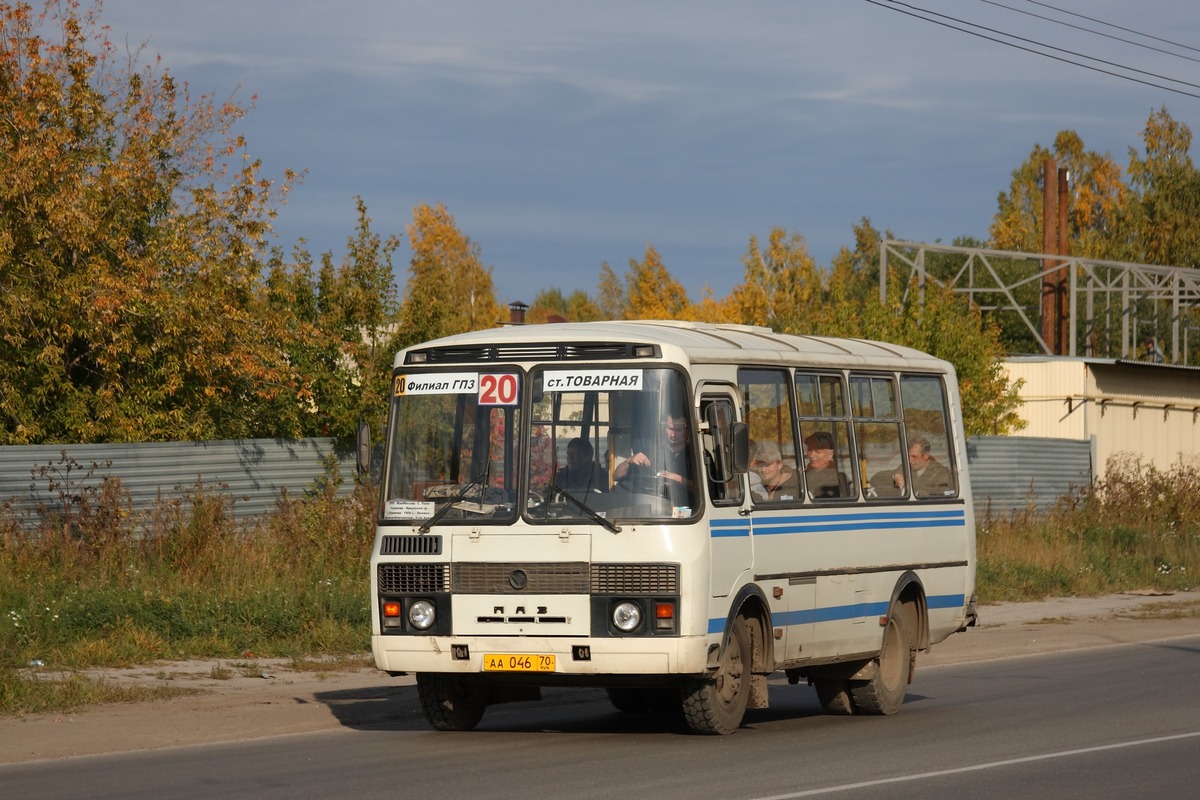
1115, 27
1096, 32
1048, 46
891, 5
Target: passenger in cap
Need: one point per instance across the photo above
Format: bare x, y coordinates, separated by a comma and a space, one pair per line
779, 481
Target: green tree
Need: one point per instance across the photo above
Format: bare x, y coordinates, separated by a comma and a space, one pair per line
132, 224
580, 307
359, 321
1167, 188
611, 298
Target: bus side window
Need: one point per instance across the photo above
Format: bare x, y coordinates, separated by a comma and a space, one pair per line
930, 463
875, 408
829, 458
774, 476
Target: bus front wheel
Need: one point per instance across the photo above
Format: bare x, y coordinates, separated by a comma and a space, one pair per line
452, 702
716, 705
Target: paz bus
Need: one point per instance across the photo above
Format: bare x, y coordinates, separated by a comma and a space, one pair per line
670, 511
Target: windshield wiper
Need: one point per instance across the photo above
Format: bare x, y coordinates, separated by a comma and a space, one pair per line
466, 489
594, 516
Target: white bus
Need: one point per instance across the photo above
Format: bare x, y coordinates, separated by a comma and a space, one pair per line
670, 511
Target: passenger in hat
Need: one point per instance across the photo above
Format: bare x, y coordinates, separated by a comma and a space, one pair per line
821, 474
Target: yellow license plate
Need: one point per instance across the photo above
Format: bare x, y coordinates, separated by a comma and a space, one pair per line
518, 662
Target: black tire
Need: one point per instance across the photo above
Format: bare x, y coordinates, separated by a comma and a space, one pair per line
834, 696
452, 702
717, 704
884, 692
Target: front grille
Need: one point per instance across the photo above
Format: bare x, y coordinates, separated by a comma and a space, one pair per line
555, 578
571, 577
413, 578
635, 579
577, 351
411, 546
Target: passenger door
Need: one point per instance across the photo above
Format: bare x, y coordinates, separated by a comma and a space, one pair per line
729, 529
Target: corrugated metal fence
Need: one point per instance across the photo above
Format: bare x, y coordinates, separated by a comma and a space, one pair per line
1008, 473
253, 472
1012, 473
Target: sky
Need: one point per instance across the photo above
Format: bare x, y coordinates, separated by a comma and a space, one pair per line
562, 135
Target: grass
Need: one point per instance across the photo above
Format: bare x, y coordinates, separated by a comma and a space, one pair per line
29, 693
94, 587
1137, 528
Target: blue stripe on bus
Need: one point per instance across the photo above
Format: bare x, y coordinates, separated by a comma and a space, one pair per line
837, 613
728, 527
820, 523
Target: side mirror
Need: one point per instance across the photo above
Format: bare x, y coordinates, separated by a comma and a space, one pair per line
740, 449
363, 448
731, 442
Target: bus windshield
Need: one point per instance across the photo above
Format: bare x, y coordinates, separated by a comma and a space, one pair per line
454, 447
609, 443
615, 442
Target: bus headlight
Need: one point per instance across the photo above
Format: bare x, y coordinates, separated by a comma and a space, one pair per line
421, 615
627, 616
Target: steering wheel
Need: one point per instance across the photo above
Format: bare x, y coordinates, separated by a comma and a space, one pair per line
640, 480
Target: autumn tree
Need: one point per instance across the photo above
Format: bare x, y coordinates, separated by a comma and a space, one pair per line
132, 226
1149, 219
782, 288
854, 275
651, 291
449, 290
1098, 203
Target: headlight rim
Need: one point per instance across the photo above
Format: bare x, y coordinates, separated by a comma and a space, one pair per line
422, 614
627, 616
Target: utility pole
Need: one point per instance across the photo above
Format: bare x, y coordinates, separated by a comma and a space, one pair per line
1055, 284
1064, 249
1050, 245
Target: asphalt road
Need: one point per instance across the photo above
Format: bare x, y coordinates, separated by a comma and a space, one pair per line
1111, 722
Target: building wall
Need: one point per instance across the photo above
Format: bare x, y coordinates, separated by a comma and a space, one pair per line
1148, 411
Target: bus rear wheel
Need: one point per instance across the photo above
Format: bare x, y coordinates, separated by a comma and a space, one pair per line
452, 702
716, 705
884, 692
834, 696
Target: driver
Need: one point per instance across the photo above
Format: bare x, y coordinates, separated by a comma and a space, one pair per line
676, 468
580, 472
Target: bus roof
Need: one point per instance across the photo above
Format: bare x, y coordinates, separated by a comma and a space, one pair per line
682, 342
